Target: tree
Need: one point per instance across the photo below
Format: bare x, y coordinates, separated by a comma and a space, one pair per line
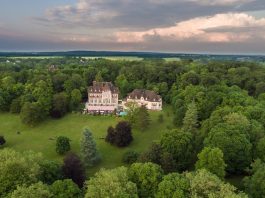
42, 93
147, 176
179, 144
15, 106
130, 157
98, 77
59, 105
31, 114
50, 171
17, 169
131, 109
39, 190
110, 135
260, 149
89, 152
173, 185
167, 162
123, 84
190, 121
2, 140
205, 184
212, 160
111, 183
233, 143
160, 118
255, 184
73, 169
65, 189
142, 118
62, 145
152, 154
123, 134
75, 99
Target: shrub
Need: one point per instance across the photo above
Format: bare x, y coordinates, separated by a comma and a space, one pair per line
62, 145
160, 118
74, 169
130, 157
121, 136
2, 140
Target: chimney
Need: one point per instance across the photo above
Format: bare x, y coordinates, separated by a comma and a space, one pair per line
94, 83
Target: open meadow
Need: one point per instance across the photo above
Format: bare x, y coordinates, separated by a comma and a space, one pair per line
42, 137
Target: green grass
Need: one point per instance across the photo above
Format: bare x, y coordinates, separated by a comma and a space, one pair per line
42, 138
114, 58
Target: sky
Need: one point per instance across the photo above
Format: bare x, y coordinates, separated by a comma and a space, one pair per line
180, 26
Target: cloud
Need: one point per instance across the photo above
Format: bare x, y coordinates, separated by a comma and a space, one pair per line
215, 28
139, 14
221, 2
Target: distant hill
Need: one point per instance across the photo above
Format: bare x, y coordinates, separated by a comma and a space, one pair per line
134, 54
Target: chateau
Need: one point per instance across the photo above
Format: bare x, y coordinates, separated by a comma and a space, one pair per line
102, 98
150, 99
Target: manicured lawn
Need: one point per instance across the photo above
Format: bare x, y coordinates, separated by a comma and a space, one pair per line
42, 138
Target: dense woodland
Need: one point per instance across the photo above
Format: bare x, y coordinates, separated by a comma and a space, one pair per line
219, 128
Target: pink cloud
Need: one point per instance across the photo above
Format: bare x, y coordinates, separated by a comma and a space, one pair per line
203, 29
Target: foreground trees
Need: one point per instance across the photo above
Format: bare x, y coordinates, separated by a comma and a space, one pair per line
179, 144
111, 183
65, 189
234, 144
35, 190
255, 184
146, 176
212, 160
173, 185
17, 169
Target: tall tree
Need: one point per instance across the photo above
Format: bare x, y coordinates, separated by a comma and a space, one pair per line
17, 169
255, 184
75, 99
147, 176
39, 190
235, 145
212, 160
50, 171
174, 185
65, 189
123, 134
205, 184
111, 183
142, 118
59, 105
73, 169
190, 121
179, 144
89, 152
31, 114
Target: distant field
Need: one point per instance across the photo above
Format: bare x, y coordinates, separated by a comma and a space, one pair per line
129, 58
33, 57
132, 58
42, 138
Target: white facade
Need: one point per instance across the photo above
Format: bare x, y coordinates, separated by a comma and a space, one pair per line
102, 98
151, 100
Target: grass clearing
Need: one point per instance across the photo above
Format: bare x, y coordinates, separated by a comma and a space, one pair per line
42, 137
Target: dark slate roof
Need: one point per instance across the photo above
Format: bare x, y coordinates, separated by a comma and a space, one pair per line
146, 94
99, 87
